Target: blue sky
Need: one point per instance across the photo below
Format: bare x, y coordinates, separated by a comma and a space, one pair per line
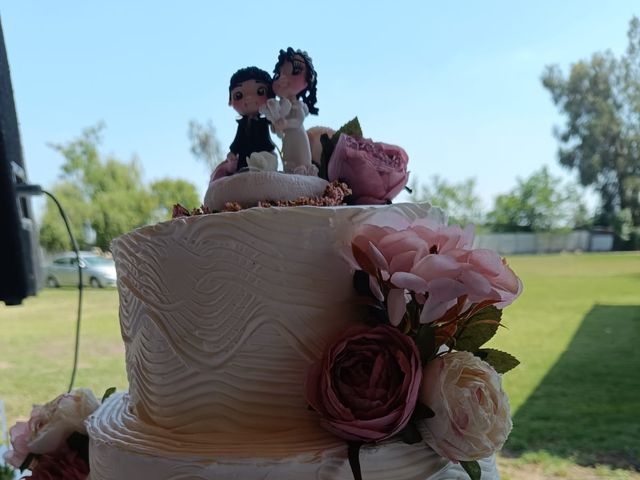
457, 84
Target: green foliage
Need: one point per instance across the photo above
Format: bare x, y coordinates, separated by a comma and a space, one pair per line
6, 472
479, 329
104, 197
459, 200
501, 361
600, 99
472, 468
107, 393
167, 192
538, 203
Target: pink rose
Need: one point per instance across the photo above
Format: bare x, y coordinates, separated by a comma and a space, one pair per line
375, 172
314, 134
472, 418
437, 264
365, 387
67, 465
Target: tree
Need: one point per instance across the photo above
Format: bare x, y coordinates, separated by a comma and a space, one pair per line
204, 143
167, 192
539, 203
459, 200
103, 197
600, 99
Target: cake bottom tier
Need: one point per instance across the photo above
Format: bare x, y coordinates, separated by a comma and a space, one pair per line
124, 448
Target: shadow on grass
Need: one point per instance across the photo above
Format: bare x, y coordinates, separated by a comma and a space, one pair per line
587, 407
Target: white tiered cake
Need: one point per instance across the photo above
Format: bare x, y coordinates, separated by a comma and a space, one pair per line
221, 316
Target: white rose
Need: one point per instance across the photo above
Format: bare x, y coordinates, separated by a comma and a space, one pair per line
472, 418
51, 424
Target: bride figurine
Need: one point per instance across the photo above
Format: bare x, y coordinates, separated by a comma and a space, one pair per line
294, 82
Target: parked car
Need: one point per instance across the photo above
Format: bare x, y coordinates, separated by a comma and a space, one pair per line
97, 271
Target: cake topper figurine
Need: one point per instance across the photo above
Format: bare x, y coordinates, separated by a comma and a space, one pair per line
294, 82
249, 89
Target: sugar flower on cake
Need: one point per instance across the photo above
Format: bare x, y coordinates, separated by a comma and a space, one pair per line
436, 268
366, 386
47, 432
471, 411
376, 172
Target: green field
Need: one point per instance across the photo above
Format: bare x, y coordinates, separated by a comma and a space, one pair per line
576, 329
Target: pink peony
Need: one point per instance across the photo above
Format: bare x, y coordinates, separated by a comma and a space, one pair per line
375, 172
66, 465
472, 418
19, 436
438, 264
365, 387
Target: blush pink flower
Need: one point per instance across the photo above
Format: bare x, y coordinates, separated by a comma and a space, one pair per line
19, 436
472, 417
366, 385
436, 264
376, 172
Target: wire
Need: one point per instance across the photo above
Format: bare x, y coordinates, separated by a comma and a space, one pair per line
26, 189
74, 245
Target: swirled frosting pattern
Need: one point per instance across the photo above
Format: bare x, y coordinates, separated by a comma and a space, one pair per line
222, 314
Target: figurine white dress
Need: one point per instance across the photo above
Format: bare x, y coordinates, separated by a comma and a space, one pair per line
295, 84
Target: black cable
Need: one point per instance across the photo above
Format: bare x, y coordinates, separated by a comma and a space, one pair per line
37, 190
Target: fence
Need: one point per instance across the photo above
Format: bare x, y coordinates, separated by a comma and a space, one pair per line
576, 241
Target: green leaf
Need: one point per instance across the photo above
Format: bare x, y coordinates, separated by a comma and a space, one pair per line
327, 150
422, 411
410, 434
472, 468
27, 462
354, 459
108, 392
426, 341
351, 128
501, 361
480, 328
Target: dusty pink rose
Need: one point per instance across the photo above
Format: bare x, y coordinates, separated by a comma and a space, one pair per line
472, 418
66, 465
314, 134
438, 264
365, 387
376, 172
19, 436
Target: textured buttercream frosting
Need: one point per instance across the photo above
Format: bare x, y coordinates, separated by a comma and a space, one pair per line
123, 447
221, 316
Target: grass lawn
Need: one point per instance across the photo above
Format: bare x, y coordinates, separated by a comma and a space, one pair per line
575, 398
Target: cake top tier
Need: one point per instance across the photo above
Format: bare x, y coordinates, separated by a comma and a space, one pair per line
374, 172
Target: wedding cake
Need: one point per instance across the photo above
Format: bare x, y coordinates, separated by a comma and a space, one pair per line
308, 329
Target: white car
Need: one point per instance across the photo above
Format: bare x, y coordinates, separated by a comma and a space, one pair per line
97, 271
